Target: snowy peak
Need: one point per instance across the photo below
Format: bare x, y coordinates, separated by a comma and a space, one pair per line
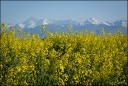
34, 22
31, 20
30, 23
96, 21
124, 24
121, 22
45, 22
93, 20
21, 25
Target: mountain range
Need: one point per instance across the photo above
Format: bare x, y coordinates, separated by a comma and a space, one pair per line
32, 25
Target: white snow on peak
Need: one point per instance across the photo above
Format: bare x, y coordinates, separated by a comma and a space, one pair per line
45, 22
124, 24
92, 18
103, 22
32, 24
110, 23
21, 25
95, 21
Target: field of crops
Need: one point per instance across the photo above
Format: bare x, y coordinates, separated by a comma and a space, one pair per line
63, 59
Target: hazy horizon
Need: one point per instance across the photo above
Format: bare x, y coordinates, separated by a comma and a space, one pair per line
19, 11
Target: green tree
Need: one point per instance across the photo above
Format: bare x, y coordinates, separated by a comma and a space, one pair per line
12, 28
102, 32
3, 26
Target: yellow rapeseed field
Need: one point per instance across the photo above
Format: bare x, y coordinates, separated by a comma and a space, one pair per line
63, 59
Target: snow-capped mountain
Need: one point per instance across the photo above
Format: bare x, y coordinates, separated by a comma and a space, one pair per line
120, 23
45, 22
124, 24
30, 23
33, 24
95, 21
21, 25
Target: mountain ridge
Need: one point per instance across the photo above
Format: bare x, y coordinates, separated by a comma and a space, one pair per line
32, 25
34, 22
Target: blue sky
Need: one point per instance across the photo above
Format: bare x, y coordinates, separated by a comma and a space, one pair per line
19, 11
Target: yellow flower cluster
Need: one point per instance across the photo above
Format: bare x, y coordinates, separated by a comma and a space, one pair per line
63, 59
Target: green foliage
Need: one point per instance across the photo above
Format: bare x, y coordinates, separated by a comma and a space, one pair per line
3, 26
63, 59
42, 27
